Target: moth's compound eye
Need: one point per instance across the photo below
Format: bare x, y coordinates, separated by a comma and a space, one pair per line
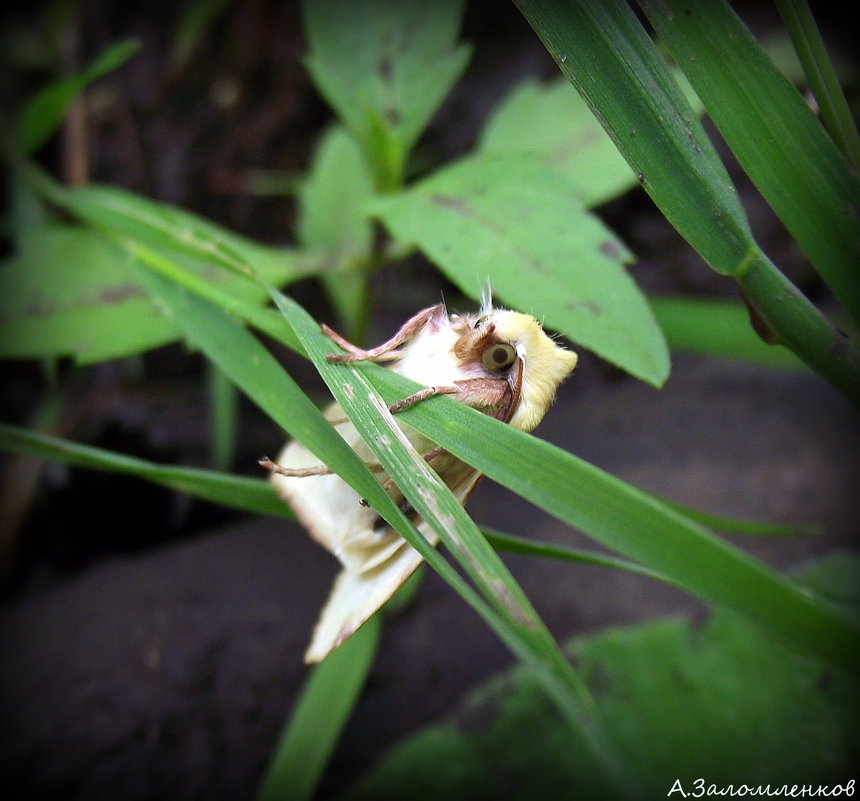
499, 356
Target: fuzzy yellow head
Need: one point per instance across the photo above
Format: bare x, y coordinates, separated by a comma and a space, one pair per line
544, 363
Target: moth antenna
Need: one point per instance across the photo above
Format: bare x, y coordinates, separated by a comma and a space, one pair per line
486, 297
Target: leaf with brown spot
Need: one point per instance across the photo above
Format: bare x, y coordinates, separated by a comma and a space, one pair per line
70, 292
384, 67
518, 223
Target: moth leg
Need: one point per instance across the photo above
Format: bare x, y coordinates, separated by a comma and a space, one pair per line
422, 394
427, 457
387, 351
293, 472
480, 393
307, 472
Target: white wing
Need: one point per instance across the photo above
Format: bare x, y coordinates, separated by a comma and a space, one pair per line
376, 559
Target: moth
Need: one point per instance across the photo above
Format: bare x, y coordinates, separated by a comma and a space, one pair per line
497, 361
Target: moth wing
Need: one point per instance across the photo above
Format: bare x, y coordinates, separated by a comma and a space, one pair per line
325, 505
376, 559
359, 594
356, 596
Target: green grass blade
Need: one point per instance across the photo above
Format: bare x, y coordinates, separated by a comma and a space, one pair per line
267, 321
775, 136
167, 227
318, 718
715, 327
223, 410
248, 494
607, 55
752, 528
196, 20
605, 52
821, 76
629, 521
43, 114
550, 550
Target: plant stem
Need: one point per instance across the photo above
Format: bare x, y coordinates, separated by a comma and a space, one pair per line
788, 317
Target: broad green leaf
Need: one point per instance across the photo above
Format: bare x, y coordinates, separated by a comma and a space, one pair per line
774, 134
332, 199
715, 701
603, 49
247, 494
551, 122
384, 66
318, 718
69, 292
26, 210
515, 223
718, 328
41, 117
332, 218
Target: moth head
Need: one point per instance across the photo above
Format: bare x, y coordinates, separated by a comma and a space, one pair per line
511, 345
543, 363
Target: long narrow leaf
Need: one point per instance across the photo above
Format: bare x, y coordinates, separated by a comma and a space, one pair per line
248, 494
605, 52
507, 542
164, 226
629, 521
607, 55
775, 136
716, 327
318, 718
821, 76
39, 119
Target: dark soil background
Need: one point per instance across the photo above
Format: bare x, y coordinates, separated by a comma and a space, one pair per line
151, 645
